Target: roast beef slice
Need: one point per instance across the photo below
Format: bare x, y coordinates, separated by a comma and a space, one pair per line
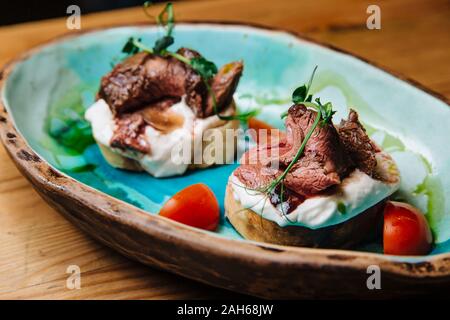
145, 78
361, 148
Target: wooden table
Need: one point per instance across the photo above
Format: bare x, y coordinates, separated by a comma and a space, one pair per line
37, 244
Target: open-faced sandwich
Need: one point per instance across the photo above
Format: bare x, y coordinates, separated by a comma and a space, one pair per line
149, 105
319, 185
157, 102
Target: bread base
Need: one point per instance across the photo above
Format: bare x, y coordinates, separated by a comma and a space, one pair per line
363, 227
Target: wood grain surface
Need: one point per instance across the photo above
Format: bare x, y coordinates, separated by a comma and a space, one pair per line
37, 244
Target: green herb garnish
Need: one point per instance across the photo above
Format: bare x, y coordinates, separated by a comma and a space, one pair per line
326, 111
165, 19
205, 68
281, 178
301, 94
71, 130
324, 115
341, 207
130, 46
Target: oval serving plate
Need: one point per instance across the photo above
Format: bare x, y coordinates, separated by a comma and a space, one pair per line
46, 91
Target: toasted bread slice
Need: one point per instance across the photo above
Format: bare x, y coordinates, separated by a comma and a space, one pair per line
363, 227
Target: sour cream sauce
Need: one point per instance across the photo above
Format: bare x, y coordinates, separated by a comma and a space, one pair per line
356, 193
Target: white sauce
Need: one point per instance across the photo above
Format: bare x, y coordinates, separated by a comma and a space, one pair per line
357, 192
101, 119
160, 162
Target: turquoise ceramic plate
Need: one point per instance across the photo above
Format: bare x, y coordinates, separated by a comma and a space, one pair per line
51, 88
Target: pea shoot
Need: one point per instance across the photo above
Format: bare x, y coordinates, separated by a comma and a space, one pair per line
324, 116
204, 67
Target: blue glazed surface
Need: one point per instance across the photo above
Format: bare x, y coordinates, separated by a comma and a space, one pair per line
401, 118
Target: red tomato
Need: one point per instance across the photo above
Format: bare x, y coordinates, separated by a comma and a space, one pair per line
406, 231
259, 126
195, 206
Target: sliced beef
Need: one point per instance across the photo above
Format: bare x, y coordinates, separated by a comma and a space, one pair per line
195, 89
324, 160
329, 156
129, 133
146, 78
323, 163
358, 144
189, 53
223, 86
122, 87
256, 176
140, 89
264, 154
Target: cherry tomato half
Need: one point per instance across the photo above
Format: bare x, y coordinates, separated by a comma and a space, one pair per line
195, 206
259, 135
406, 231
254, 123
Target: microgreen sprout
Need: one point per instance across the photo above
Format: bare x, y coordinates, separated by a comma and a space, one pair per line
301, 94
205, 68
323, 117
